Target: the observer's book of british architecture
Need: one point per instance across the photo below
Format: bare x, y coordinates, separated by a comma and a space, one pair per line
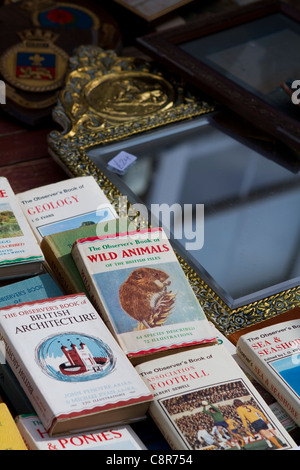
57, 252
20, 254
137, 284
10, 437
72, 369
204, 401
65, 205
112, 438
273, 355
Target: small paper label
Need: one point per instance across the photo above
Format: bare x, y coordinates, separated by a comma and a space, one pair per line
121, 162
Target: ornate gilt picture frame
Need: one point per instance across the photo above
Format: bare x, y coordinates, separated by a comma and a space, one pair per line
111, 100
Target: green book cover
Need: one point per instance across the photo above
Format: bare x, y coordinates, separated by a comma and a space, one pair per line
57, 252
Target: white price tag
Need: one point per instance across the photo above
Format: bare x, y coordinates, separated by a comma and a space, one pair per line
121, 162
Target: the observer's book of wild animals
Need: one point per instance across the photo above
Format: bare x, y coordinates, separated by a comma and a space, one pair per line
137, 284
10, 437
204, 401
20, 254
112, 438
65, 205
273, 355
72, 369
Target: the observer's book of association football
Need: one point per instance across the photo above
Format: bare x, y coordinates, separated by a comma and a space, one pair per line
20, 254
137, 284
204, 401
273, 355
57, 247
112, 438
72, 369
10, 437
65, 205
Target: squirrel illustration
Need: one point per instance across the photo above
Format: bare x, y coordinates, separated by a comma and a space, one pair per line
144, 296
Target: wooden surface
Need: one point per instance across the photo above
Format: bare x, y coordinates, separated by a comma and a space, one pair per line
24, 158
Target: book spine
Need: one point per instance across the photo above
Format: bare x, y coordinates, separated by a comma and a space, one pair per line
92, 291
166, 427
68, 281
269, 380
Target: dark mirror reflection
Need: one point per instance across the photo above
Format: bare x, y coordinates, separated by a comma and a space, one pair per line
251, 203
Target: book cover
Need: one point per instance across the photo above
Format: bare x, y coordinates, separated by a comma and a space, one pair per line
273, 355
20, 254
10, 437
117, 438
204, 401
65, 205
57, 252
277, 409
33, 288
72, 369
137, 284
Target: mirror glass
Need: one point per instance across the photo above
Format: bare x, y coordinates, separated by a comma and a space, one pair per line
259, 55
249, 247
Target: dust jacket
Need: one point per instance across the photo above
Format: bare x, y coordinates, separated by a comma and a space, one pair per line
65, 205
20, 254
273, 355
137, 284
36, 437
204, 401
71, 368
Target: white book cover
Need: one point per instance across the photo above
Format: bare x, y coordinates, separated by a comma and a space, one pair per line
65, 205
273, 355
137, 283
204, 401
116, 438
70, 366
18, 246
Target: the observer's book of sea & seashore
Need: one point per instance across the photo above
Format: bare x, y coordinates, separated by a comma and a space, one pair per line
65, 205
137, 284
112, 438
72, 369
20, 254
273, 355
204, 401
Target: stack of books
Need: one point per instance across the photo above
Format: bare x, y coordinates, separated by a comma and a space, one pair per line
104, 332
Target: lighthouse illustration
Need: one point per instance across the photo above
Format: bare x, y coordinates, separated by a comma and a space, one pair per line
80, 360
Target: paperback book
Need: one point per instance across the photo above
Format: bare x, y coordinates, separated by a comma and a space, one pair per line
273, 355
136, 283
72, 369
65, 205
204, 401
20, 254
36, 437
10, 437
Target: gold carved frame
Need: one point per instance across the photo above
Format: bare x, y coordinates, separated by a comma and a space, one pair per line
107, 98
